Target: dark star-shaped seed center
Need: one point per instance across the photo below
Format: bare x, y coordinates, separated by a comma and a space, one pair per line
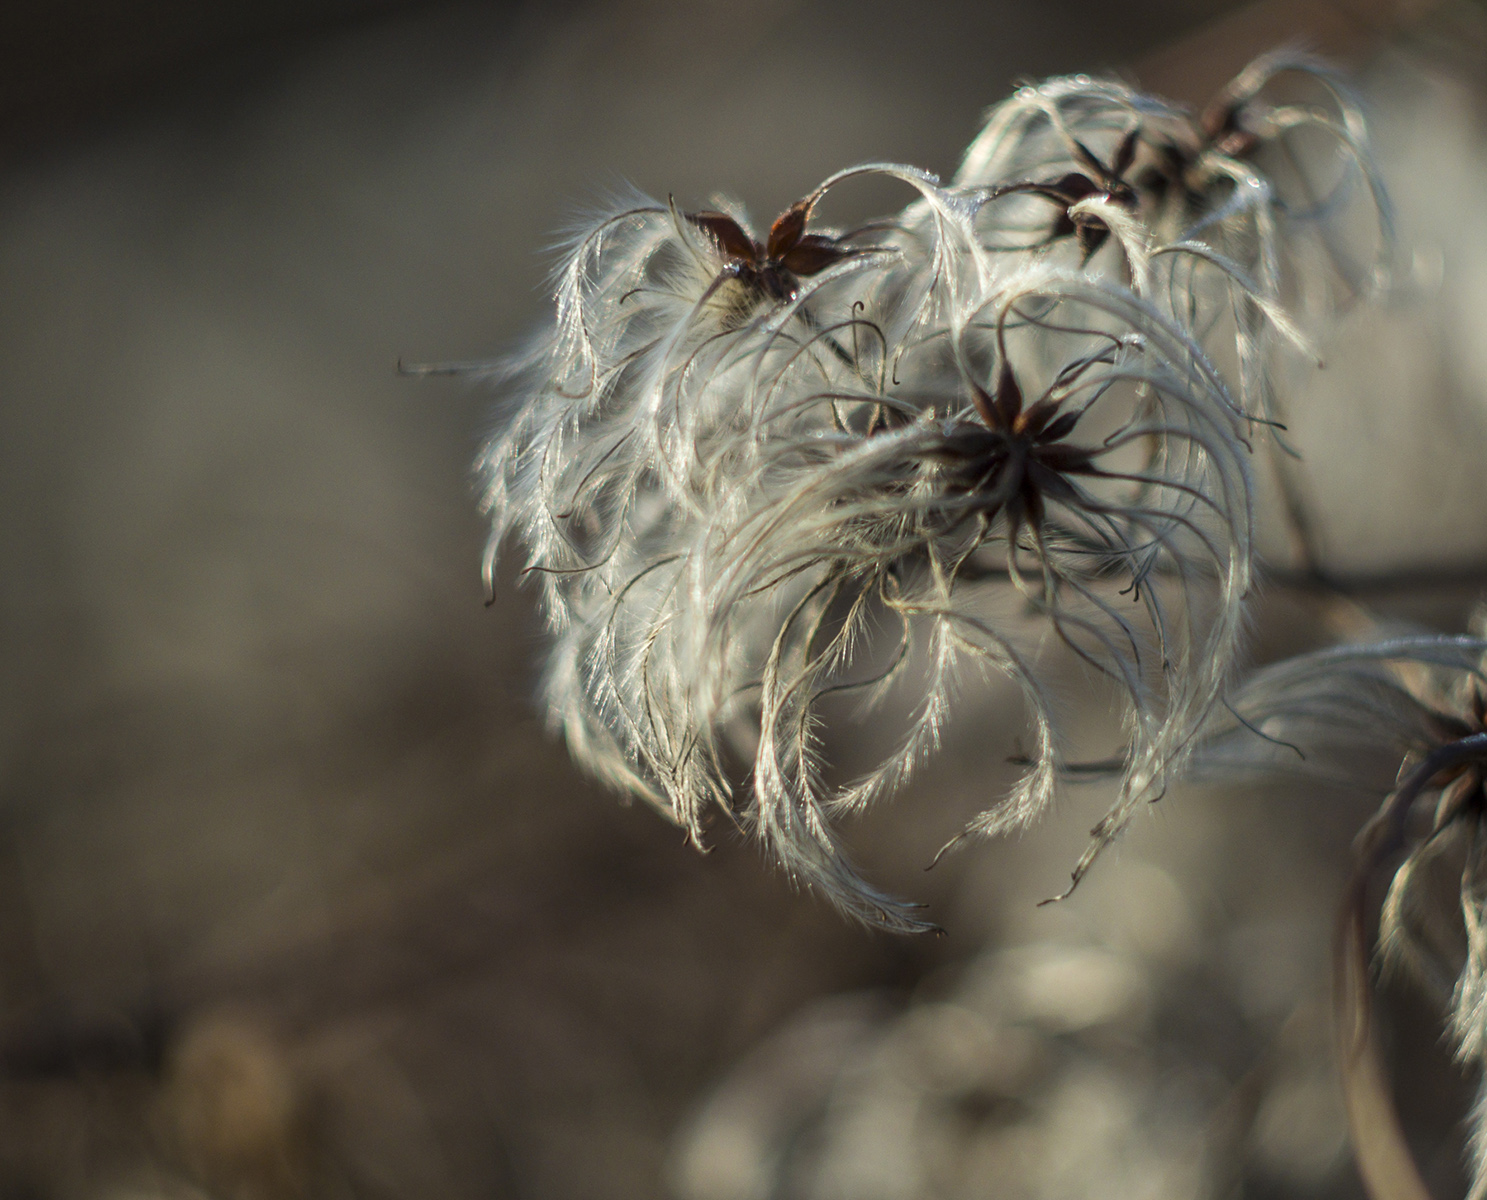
1096, 180
775, 267
1017, 460
1462, 786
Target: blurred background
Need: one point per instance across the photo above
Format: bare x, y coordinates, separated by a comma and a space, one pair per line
298, 899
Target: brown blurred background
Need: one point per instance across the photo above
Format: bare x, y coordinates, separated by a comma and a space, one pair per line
297, 897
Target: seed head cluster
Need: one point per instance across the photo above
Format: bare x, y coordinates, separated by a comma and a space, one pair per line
1410, 709
758, 474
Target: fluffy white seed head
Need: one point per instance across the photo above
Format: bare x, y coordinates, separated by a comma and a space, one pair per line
754, 470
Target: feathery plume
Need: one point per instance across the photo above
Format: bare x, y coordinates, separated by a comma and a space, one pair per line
1239, 203
1416, 706
755, 472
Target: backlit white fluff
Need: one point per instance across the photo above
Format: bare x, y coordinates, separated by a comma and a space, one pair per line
754, 470
1248, 205
922, 522
1411, 711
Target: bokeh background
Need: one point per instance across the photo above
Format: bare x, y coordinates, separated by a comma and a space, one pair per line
297, 897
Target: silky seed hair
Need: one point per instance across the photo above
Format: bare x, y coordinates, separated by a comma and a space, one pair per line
1231, 243
758, 473
1405, 716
